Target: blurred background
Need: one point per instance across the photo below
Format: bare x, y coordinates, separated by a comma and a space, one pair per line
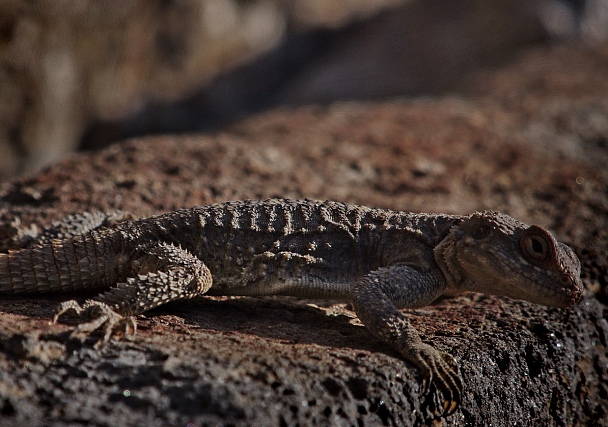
79, 75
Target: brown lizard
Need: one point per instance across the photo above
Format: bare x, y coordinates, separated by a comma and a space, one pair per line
381, 260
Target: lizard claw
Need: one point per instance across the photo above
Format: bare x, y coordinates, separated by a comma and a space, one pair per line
101, 315
441, 370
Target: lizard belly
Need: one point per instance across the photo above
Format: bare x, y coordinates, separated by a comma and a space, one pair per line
310, 287
285, 273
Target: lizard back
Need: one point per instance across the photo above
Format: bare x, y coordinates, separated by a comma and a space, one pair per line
297, 247
272, 247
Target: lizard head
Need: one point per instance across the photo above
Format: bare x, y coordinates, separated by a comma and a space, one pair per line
493, 253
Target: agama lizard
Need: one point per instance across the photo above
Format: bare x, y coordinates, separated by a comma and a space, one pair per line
380, 260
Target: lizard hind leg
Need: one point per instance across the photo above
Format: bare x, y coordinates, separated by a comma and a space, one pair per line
166, 273
101, 315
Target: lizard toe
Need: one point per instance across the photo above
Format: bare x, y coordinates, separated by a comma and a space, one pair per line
440, 370
101, 316
70, 306
425, 364
449, 383
117, 326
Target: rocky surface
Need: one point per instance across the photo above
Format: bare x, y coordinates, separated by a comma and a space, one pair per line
530, 140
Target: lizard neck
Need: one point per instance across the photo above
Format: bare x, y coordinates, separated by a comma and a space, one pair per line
446, 258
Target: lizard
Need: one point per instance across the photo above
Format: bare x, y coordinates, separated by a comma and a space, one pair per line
380, 260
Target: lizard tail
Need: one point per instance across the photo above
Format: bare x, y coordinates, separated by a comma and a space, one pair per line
80, 262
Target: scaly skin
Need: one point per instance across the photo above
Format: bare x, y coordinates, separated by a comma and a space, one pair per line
381, 260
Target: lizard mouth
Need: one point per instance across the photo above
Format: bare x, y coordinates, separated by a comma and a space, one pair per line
572, 288
561, 291
536, 284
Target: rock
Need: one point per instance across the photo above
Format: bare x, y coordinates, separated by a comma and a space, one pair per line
531, 142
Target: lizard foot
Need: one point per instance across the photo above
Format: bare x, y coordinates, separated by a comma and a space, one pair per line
101, 315
441, 370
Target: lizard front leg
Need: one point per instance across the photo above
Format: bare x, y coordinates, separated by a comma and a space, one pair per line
163, 273
377, 298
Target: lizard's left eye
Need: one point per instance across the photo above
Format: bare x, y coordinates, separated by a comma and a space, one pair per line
535, 247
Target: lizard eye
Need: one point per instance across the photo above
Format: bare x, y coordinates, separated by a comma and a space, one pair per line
534, 247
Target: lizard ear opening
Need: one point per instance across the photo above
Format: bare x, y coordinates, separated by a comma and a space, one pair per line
536, 244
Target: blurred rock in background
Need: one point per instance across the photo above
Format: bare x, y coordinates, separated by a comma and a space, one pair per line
81, 74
